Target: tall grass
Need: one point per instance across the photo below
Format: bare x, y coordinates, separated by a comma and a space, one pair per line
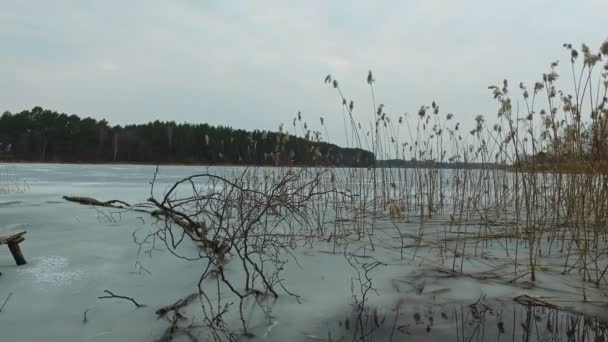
497, 201
11, 181
512, 184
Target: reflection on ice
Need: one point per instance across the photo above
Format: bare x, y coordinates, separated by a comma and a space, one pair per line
478, 322
432, 270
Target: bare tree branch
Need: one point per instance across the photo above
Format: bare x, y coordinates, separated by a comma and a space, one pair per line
112, 295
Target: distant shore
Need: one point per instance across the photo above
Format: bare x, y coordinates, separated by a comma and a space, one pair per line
167, 164
381, 164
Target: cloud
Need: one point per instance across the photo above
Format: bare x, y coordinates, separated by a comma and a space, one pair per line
108, 66
256, 64
335, 62
600, 4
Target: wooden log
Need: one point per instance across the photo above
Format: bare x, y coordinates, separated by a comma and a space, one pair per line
92, 201
13, 246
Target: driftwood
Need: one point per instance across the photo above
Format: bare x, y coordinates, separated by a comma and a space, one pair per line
92, 201
174, 328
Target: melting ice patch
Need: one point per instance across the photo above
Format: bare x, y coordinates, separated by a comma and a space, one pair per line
51, 272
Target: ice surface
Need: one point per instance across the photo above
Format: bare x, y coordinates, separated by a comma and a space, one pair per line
76, 252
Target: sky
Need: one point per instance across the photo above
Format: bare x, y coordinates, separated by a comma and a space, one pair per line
256, 64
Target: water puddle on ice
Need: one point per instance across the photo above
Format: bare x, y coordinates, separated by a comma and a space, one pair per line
51, 272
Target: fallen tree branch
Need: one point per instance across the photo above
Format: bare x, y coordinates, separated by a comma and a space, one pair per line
170, 331
92, 201
112, 295
176, 306
174, 328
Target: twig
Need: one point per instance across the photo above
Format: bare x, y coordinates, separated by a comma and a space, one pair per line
84, 318
5, 301
112, 295
141, 268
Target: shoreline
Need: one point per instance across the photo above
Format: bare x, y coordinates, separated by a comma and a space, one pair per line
411, 167
6, 162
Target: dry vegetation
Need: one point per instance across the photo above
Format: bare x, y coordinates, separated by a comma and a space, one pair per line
11, 181
516, 222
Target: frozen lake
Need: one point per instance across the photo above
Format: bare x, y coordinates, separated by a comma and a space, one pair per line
75, 252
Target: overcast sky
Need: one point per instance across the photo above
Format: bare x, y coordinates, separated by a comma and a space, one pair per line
255, 64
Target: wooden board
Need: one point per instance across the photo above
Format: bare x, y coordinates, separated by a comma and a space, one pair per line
8, 238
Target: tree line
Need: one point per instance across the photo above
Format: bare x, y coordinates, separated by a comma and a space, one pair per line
42, 135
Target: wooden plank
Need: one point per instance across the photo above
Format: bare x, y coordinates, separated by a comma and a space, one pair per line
17, 240
7, 238
13, 242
